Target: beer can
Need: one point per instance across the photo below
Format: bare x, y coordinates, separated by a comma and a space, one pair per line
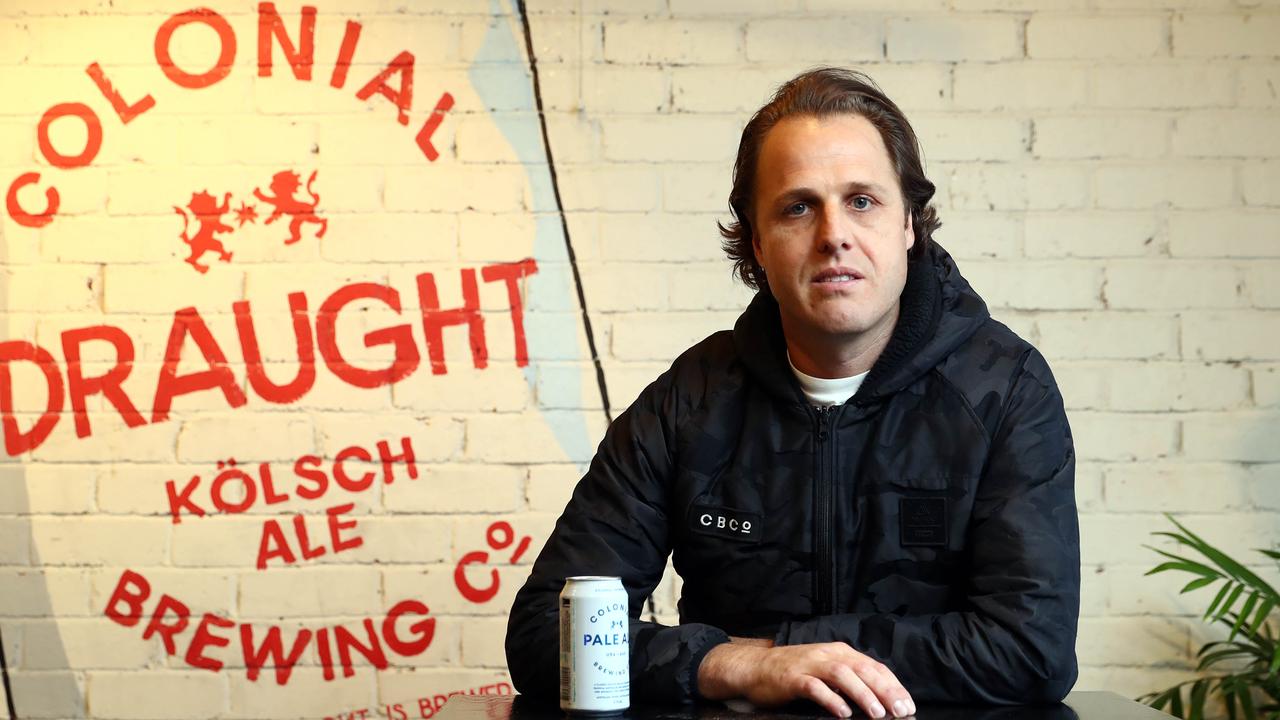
595, 646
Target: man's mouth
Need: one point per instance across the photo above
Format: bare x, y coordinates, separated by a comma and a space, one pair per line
837, 275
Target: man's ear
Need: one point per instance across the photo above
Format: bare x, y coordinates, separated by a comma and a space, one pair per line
910, 237
755, 246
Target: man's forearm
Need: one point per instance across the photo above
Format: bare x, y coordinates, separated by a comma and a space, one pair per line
722, 674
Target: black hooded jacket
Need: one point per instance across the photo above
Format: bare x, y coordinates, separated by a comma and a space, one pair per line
929, 522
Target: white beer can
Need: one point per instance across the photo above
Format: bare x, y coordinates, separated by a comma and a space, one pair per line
595, 646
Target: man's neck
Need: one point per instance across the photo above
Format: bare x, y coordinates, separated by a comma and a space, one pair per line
840, 356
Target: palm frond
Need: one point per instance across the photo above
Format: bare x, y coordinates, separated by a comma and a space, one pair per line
1244, 614
1244, 605
1221, 559
1231, 600
1195, 703
1246, 702
1217, 600
1261, 616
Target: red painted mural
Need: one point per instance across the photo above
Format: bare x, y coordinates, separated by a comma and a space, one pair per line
256, 305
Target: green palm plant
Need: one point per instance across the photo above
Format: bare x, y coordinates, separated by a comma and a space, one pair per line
1251, 652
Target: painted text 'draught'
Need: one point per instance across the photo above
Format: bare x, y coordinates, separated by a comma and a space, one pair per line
189, 327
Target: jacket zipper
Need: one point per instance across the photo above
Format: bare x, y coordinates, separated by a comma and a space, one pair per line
824, 531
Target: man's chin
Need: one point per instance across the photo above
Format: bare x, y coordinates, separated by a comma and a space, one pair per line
836, 327
843, 329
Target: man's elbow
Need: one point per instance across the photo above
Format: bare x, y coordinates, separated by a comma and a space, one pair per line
1050, 680
1043, 653
526, 682
523, 662
1031, 672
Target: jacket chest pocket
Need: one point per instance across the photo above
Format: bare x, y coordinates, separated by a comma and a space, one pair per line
918, 517
922, 521
909, 553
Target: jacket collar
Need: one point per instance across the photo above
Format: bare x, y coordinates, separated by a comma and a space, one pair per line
939, 311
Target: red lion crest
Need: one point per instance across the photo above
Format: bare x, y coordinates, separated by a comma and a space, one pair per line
204, 207
284, 201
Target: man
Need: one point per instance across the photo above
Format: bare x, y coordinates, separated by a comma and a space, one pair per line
868, 485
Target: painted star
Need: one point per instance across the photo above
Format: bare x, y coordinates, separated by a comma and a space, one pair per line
246, 213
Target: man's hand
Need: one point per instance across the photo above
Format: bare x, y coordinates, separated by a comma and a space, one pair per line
821, 672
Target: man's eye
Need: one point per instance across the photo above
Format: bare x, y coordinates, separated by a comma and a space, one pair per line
862, 202
796, 208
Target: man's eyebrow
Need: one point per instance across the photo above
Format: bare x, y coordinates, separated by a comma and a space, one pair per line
804, 192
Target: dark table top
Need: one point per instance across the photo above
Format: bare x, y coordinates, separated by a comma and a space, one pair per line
1077, 706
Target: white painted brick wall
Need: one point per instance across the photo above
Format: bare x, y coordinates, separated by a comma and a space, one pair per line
1008, 187
1172, 284
1184, 487
1226, 134
1091, 235
836, 39
1239, 35
1234, 233
1098, 136
691, 42
970, 38
1108, 177
1198, 186
1257, 86
170, 694
1131, 335
1020, 84
1259, 185
1044, 286
1162, 85
1166, 386
1099, 37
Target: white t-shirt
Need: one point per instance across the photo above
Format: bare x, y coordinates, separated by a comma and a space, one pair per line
827, 391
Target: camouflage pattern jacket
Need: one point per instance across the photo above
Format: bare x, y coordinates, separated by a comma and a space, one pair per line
930, 521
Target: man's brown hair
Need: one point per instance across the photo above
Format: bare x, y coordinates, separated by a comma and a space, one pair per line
819, 93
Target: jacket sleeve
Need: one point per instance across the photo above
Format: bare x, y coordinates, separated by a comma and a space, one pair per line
1014, 641
615, 524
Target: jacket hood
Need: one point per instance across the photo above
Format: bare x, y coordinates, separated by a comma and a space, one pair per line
939, 311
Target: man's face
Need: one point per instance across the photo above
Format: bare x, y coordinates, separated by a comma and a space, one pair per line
830, 227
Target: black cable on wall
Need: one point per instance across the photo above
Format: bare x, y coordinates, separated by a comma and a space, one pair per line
8, 689
564, 224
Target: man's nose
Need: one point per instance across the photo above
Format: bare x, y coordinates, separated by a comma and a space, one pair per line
835, 231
